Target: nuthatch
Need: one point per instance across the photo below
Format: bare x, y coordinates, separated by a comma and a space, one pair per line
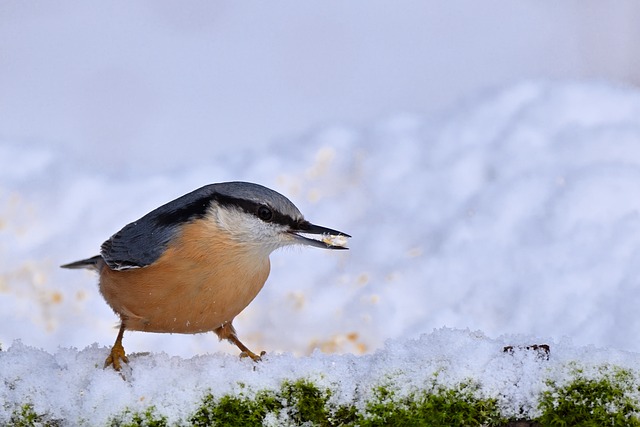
193, 264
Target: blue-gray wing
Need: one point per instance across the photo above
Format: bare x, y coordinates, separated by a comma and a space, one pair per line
137, 245
142, 242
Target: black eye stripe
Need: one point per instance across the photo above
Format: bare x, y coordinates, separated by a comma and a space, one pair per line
254, 208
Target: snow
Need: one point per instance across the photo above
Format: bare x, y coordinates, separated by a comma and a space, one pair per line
516, 214
67, 384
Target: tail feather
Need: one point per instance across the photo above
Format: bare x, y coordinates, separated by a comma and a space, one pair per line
90, 263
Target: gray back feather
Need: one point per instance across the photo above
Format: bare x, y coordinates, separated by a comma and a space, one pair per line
142, 242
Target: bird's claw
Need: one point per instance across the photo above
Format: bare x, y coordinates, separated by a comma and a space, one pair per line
115, 358
252, 355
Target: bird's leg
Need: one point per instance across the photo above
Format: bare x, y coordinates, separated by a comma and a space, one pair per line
117, 352
228, 332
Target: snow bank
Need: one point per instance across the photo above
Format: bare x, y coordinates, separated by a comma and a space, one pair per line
69, 384
517, 214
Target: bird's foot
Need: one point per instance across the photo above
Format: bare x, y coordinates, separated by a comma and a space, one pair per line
227, 332
252, 355
116, 356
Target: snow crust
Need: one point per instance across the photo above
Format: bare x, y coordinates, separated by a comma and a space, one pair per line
517, 215
69, 385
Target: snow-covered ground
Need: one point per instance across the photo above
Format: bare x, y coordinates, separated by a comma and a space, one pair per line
67, 385
516, 214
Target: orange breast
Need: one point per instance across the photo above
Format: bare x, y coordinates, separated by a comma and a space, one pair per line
201, 281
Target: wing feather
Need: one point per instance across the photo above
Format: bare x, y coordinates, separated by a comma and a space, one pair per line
142, 242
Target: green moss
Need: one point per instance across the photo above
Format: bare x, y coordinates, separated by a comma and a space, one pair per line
306, 402
298, 402
235, 411
26, 416
592, 402
442, 407
148, 418
303, 403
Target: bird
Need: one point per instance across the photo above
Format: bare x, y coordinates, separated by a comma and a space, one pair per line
193, 264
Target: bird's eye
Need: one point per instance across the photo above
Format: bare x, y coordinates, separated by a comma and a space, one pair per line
264, 213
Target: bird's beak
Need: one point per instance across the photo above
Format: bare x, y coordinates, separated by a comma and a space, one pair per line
321, 237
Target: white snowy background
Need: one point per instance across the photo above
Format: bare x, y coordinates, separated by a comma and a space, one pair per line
485, 159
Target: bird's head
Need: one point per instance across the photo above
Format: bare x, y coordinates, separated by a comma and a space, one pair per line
258, 216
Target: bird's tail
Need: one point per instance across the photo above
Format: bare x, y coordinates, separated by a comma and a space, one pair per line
92, 263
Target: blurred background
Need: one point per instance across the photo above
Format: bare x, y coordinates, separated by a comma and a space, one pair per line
110, 108
161, 84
